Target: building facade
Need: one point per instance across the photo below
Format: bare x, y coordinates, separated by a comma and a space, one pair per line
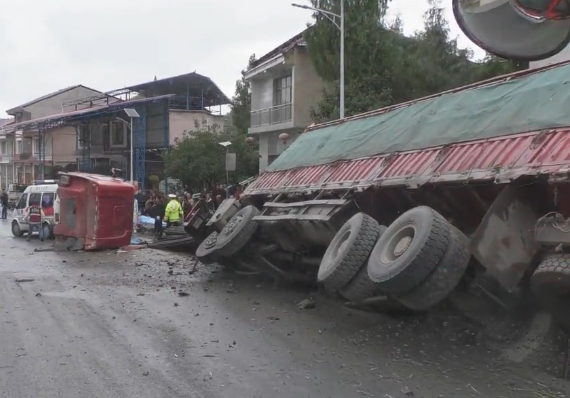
20, 160
284, 88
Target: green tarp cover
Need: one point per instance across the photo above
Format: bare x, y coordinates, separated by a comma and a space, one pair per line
533, 102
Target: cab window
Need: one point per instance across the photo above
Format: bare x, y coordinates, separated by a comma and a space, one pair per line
22, 204
35, 199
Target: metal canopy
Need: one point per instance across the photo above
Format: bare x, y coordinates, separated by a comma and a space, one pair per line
190, 84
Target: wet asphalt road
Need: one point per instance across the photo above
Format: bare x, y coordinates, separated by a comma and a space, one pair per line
139, 324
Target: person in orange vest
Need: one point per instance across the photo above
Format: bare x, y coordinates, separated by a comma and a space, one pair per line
35, 218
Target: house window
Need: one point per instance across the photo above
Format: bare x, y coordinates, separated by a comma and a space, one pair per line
84, 137
19, 146
18, 117
118, 134
3, 146
282, 90
37, 145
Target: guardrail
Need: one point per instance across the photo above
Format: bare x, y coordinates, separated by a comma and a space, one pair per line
274, 115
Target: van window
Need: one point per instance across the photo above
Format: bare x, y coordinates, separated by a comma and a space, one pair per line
35, 199
47, 199
23, 203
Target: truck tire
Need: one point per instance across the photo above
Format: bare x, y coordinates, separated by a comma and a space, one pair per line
237, 232
361, 287
409, 250
348, 252
16, 231
550, 286
441, 282
207, 251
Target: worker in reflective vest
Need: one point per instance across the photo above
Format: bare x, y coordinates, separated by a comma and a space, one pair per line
35, 218
173, 213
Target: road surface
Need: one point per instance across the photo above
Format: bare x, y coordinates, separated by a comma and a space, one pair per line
140, 324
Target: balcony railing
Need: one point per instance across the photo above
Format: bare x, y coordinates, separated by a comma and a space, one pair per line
274, 115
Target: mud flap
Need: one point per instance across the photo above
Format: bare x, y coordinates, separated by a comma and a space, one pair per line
504, 242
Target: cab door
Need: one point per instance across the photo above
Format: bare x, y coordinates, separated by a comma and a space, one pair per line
20, 211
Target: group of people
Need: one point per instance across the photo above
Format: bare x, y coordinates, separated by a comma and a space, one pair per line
173, 208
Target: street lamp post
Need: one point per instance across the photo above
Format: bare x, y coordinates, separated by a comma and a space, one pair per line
340, 26
132, 113
226, 144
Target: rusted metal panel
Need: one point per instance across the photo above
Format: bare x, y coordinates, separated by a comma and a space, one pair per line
483, 155
353, 172
500, 159
408, 164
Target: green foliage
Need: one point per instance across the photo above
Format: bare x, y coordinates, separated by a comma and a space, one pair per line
384, 67
241, 102
198, 160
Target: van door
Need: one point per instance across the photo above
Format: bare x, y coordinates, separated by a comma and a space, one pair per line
48, 199
20, 211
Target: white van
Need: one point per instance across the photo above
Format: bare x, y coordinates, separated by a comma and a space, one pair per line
41, 194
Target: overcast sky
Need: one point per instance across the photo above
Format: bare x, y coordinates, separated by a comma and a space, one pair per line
46, 45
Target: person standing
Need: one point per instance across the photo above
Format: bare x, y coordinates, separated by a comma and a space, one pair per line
173, 214
35, 219
4, 203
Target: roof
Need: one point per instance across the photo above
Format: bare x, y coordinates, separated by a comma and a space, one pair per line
4, 122
99, 178
48, 96
193, 84
296, 40
81, 114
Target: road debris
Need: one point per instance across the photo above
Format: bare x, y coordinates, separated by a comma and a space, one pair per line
24, 280
307, 304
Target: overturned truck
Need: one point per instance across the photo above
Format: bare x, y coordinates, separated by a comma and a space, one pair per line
463, 195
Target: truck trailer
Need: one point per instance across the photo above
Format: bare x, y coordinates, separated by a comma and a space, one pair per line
463, 195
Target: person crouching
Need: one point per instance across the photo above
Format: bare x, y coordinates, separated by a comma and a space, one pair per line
35, 218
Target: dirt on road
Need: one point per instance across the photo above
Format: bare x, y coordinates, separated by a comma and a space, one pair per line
142, 324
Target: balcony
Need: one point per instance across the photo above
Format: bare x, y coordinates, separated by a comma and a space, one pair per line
274, 118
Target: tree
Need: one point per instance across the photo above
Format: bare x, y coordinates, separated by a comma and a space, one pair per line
241, 101
367, 57
384, 67
492, 66
198, 160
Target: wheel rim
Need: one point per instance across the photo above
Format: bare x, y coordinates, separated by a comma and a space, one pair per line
232, 225
47, 231
399, 244
210, 241
342, 244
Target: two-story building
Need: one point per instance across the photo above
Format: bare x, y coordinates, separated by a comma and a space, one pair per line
20, 158
284, 88
85, 129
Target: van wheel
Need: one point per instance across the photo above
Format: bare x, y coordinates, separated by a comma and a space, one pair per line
206, 252
361, 287
444, 279
348, 252
237, 232
16, 231
409, 250
550, 285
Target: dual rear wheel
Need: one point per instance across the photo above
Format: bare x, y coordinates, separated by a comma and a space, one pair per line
417, 261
